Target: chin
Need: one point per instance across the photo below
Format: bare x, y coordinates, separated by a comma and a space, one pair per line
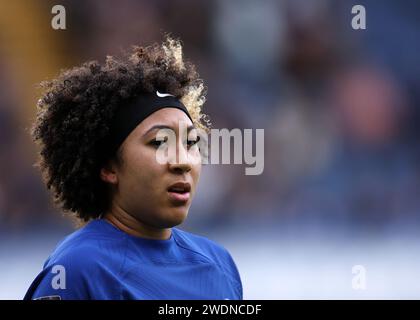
175, 217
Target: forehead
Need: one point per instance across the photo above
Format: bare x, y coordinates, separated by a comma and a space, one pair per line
170, 117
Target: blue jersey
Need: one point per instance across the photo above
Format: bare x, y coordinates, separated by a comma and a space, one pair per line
100, 261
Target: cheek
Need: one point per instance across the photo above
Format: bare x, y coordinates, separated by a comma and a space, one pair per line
141, 170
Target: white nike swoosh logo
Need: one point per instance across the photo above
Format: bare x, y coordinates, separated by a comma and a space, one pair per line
162, 95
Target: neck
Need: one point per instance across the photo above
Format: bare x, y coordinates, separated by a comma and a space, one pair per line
122, 220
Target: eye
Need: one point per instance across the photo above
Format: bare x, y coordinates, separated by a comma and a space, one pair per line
192, 142
157, 143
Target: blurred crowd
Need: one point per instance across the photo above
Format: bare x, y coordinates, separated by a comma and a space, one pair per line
339, 106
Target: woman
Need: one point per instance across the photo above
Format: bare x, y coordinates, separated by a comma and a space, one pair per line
98, 128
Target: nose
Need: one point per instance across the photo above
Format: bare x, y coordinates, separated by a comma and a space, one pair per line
180, 167
183, 162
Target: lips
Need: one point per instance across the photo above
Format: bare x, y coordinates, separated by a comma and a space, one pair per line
179, 192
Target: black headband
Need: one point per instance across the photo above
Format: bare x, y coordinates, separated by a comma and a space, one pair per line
128, 116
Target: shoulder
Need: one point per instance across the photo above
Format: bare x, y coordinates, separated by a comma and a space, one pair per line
90, 244
83, 263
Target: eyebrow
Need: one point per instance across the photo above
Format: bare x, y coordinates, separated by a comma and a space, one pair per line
162, 126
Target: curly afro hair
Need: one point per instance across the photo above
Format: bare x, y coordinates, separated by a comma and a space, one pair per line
76, 109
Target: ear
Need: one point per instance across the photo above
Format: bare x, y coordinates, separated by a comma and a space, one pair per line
108, 173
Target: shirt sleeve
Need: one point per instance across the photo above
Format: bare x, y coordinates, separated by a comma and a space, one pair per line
231, 270
237, 278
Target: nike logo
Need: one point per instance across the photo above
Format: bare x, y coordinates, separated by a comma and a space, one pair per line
162, 95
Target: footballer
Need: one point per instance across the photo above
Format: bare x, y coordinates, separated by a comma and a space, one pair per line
97, 128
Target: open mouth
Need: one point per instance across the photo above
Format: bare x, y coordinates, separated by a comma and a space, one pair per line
179, 192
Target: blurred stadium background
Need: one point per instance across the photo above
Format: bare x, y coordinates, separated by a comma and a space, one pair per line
340, 109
